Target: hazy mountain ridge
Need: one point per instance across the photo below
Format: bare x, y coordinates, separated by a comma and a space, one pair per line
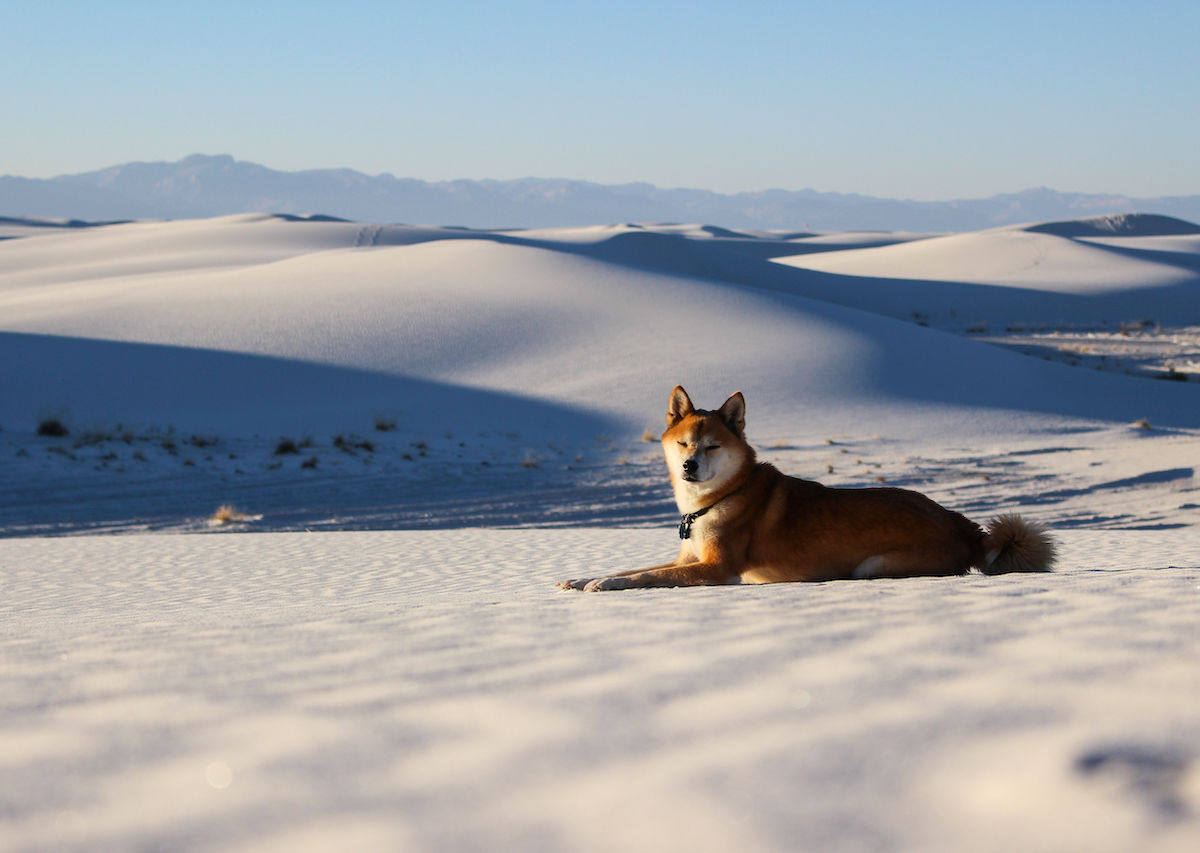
201, 186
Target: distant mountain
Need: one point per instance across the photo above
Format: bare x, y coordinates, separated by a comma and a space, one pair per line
200, 186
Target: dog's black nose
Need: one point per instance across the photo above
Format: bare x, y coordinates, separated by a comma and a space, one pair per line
690, 466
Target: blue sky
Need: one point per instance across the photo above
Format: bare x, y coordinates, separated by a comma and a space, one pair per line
926, 100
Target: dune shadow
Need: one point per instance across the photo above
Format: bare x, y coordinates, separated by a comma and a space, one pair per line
106, 382
926, 365
227, 411
746, 262
1186, 261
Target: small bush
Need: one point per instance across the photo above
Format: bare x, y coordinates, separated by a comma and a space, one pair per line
226, 514
286, 446
310, 462
230, 514
384, 424
52, 428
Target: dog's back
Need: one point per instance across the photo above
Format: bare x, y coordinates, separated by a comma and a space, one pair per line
802, 530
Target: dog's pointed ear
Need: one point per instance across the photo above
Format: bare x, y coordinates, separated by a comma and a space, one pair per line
733, 412
679, 406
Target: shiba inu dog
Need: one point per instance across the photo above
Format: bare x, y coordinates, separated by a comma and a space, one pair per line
745, 522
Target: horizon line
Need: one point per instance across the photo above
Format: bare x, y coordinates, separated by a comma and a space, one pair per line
198, 156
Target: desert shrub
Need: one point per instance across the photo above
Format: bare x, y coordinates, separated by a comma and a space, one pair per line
52, 428
384, 424
310, 462
286, 446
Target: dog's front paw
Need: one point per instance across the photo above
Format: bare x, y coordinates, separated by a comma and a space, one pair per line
604, 584
578, 583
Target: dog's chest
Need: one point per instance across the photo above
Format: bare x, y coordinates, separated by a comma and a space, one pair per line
701, 536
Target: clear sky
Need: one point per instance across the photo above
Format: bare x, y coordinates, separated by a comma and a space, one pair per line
913, 99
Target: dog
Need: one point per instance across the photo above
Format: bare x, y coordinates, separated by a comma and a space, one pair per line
745, 522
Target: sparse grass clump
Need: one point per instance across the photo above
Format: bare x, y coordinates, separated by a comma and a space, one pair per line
310, 462
90, 439
1130, 328
384, 424
349, 445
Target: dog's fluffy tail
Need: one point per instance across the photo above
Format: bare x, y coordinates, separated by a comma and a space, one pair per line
1013, 544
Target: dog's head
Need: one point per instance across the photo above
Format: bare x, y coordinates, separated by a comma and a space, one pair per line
705, 449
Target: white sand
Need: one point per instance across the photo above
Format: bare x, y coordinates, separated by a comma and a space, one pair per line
377, 689
433, 691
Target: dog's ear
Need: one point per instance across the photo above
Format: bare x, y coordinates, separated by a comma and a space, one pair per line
679, 406
733, 412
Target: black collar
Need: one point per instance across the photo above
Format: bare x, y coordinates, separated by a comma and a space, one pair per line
686, 521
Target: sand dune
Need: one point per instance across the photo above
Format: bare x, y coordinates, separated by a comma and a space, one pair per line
1056, 273
407, 679
595, 319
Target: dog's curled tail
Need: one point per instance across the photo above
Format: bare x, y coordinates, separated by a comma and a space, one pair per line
1013, 544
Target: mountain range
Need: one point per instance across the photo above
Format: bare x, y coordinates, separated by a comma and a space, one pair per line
203, 186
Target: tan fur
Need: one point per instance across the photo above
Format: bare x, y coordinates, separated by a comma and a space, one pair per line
762, 526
